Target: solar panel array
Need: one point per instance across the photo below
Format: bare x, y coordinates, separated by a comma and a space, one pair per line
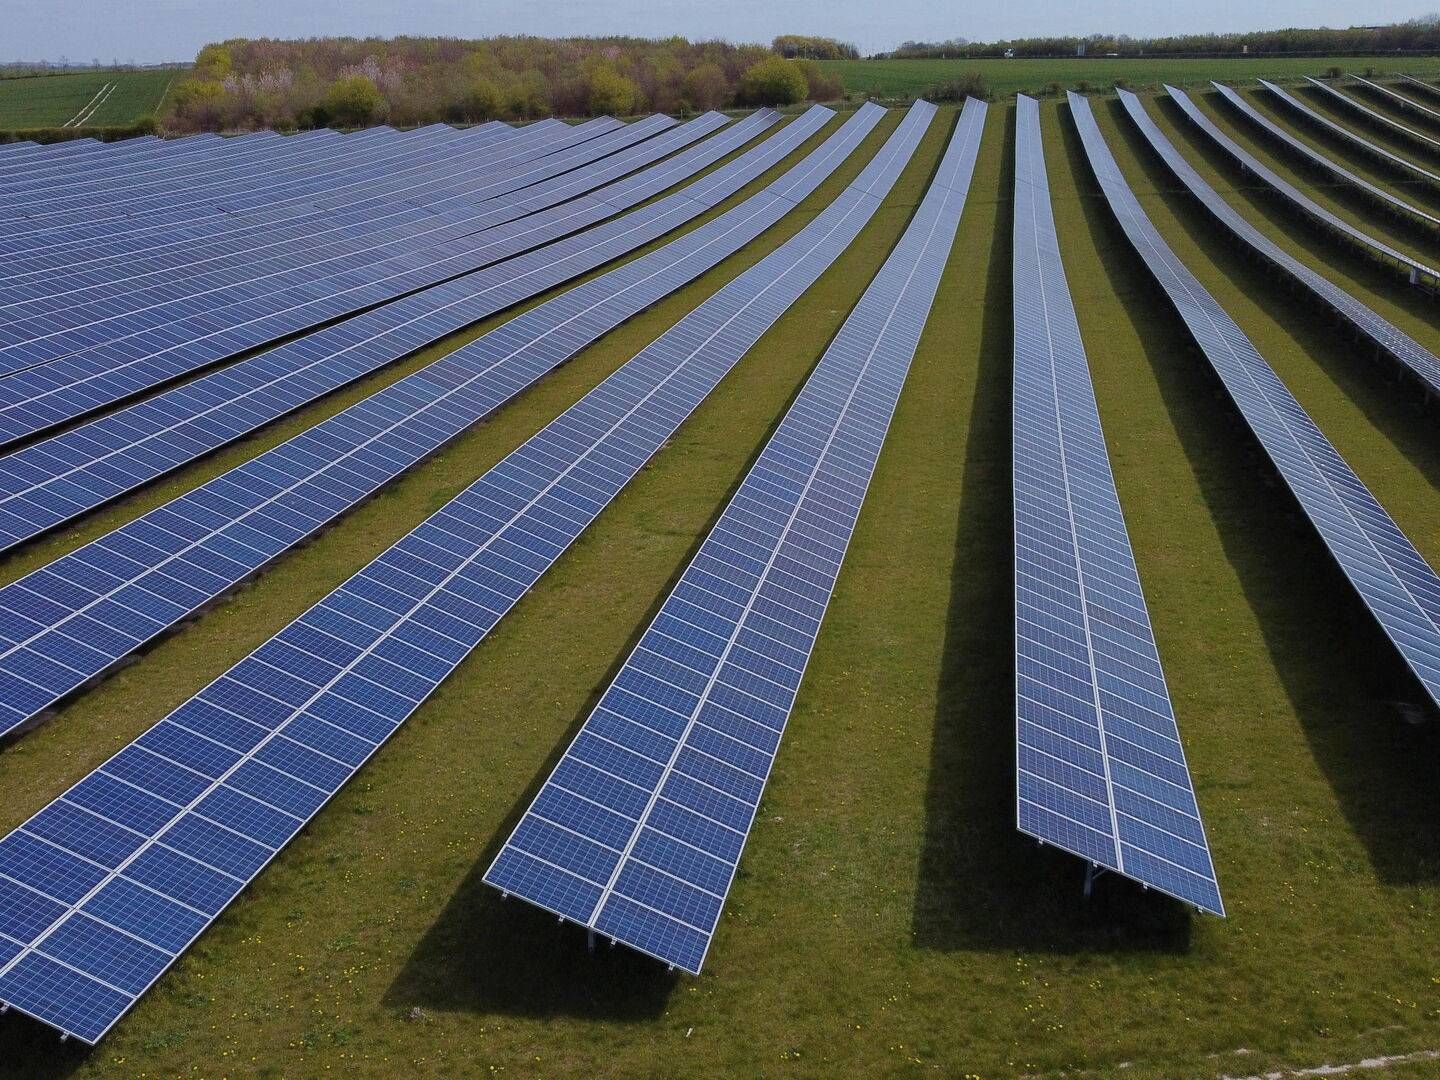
1419, 84
197, 806
1297, 198
1101, 770
1394, 581
41, 397
54, 481
638, 831
1340, 131
72, 619
1385, 198
1372, 116
1397, 98
1388, 338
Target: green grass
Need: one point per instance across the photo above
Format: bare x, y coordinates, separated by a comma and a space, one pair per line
914, 78
887, 918
51, 100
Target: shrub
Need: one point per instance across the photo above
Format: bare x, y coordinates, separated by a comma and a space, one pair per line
1054, 89
612, 93
706, 87
1369, 73
818, 85
773, 81
970, 84
352, 101
1083, 86
1332, 73
482, 101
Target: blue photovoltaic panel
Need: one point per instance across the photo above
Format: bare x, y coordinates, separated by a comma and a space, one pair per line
1360, 109
56, 480
1297, 198
1101, 771
1387, 337
249, 288
75, 617
1340, 131
37, 400
638, 831
157, 841
1394, 581
1398, 99
1316, 158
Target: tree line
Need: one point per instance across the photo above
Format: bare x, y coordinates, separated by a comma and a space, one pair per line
1420, 35
351, 82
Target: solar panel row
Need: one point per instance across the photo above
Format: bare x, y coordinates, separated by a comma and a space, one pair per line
1394, 581
69, 621
1398, 99
138, 324
53, 481
112, 311
1101, 770
38, 400
1388, 338
638, 831
233, 774
1369, 245
1327, 126
1386, 199
1371, 116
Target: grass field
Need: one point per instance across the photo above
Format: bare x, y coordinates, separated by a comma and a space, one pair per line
887, 918
913, 78
51, 100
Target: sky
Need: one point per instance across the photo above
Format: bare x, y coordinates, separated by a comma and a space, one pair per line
151, 31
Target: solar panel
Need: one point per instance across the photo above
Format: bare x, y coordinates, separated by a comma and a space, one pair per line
1353, 139
1394, 581
74, 618
638, 831
150, 319
1397, 98
37, 400
221, 784
1370, 115
1314, 157
1297, 198
53, 481
1101, 770
1388, 338
1419, 84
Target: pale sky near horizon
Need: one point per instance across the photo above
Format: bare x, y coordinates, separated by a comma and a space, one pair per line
150, 31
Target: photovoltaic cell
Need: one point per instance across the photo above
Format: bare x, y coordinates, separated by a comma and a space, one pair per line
1388, 338
1101, 771
638, 831
154, 844
1297, 198
72, 619
1394, 581
1340, 131
1362, 110
1316, 158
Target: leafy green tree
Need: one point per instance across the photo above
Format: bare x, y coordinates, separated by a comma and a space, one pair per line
352, 101
706, 87
612, 93
482, 101
773, 81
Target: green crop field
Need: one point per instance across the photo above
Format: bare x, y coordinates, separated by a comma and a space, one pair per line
887, 919
913, 78
51, 100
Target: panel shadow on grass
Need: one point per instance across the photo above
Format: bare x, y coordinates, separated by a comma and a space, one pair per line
1339, 671
981, 883
30, 1050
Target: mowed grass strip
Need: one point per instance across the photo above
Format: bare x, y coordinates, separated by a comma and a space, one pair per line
51, 100
913, 78
887, 918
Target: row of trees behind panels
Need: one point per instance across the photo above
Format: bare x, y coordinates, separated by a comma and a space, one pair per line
347, 82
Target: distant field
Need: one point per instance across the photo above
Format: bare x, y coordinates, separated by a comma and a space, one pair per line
911, 78
51, 100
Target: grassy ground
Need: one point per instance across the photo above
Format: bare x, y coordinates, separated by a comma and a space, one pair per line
913, 78
50, 100
887, 918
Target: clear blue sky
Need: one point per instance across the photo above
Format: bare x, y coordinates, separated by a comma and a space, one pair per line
155, 30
